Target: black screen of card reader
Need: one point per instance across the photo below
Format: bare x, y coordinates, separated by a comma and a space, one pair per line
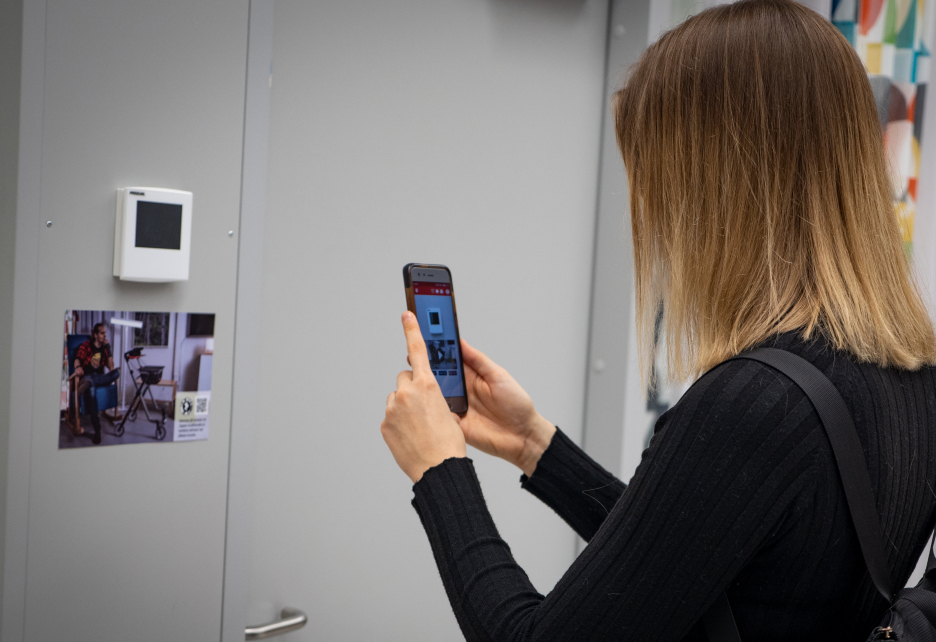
159, 225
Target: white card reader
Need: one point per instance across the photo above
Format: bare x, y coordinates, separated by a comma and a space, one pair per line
435, 320
153, 234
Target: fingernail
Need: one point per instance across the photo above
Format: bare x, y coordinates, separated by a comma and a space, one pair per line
407, 315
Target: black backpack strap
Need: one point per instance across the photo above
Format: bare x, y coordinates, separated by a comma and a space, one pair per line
838, 424
719, 621
924, 600
853, 471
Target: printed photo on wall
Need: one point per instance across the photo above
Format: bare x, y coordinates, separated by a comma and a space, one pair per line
135, 377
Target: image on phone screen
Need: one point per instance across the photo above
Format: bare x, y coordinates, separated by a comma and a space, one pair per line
436, 317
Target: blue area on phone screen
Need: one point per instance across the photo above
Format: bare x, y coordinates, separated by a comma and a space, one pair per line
436, 318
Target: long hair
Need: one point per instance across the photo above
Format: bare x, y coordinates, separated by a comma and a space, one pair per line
759, 193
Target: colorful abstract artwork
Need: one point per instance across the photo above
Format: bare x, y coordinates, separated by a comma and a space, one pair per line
893, 38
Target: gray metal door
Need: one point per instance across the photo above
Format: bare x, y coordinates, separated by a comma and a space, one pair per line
122, 542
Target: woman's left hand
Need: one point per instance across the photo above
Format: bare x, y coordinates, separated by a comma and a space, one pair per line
419, 428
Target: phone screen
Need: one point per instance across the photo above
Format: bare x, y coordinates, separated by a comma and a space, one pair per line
436, 316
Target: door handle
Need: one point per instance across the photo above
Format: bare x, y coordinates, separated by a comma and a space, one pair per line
290, 620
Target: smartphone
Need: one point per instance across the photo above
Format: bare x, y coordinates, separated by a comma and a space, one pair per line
430, 296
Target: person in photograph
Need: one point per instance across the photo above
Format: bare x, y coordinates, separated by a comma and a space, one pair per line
762, 215
94, 367
436, 353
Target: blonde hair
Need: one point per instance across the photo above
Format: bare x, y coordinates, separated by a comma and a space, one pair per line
759, 193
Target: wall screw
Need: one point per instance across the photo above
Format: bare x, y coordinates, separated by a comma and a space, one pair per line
48, 223
619, 31
230, 232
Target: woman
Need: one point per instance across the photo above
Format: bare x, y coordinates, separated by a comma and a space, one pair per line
762, 215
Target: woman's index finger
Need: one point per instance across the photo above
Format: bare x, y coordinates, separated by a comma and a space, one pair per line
415, 345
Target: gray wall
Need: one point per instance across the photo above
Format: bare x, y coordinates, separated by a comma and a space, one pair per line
11, 23
459, 132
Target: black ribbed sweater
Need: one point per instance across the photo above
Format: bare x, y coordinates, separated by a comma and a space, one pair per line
738, 490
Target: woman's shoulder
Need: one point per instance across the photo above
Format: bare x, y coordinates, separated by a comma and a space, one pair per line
745, 395
741, 426
735, 388
747, 400
863, 385
816, 349
840, 367
738, 381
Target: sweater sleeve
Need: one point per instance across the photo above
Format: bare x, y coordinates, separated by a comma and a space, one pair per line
711, 490
574, 485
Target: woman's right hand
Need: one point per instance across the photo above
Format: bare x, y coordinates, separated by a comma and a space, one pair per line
501, 419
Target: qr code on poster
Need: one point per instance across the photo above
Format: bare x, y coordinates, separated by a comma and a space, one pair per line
201, 405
